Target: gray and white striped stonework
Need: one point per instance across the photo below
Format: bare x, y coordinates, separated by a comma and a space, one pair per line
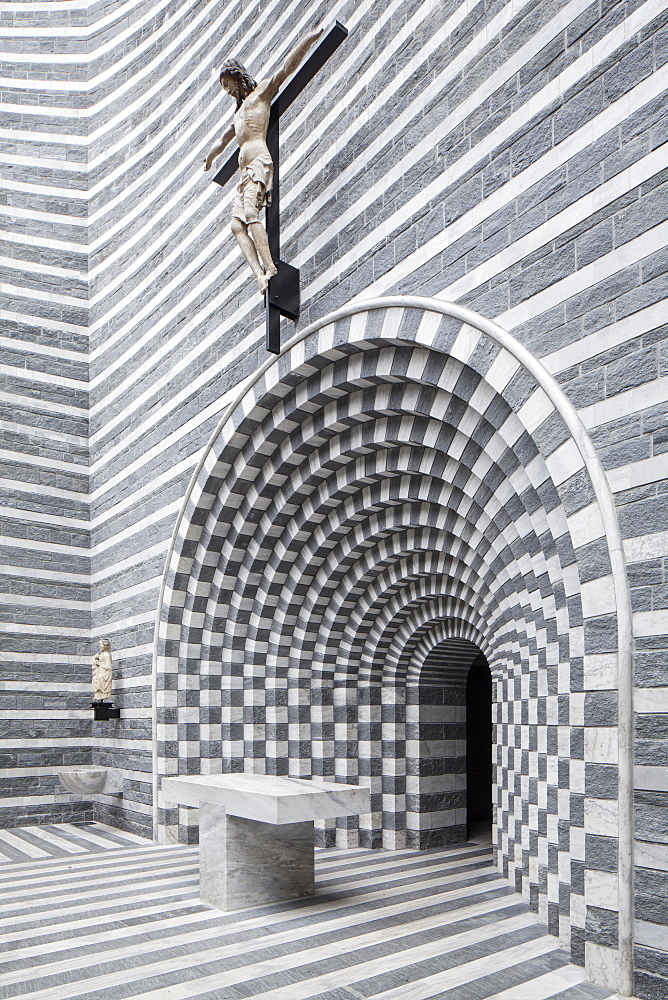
382, 927
63, 840
509, 157
45, 517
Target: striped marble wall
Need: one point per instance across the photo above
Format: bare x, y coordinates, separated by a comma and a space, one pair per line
45, 536
505, 156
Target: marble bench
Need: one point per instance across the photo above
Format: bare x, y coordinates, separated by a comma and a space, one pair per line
256, 832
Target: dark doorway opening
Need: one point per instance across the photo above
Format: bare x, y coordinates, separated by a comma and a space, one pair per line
479, 748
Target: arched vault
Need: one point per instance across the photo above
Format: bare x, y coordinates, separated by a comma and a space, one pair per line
404, 474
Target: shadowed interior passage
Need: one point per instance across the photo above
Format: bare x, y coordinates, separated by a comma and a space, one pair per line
479, 745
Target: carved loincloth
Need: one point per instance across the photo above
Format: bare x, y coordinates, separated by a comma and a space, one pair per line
253, 191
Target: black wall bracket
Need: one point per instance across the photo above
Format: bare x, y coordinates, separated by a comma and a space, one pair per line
282, 300
104, 710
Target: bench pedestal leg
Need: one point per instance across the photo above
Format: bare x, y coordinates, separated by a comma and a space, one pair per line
246, 863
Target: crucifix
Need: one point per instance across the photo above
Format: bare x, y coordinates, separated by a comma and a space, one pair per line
255, 127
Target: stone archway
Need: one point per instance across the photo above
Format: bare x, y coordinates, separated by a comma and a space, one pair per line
402, 463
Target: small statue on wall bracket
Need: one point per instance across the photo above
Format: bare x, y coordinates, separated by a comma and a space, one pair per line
102, 672
250, 125
103, 709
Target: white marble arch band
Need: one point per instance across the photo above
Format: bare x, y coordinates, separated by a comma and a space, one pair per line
389, 312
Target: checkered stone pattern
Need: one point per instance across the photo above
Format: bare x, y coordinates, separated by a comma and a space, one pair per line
394, 492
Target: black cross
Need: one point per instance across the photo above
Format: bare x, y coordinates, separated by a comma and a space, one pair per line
282, 296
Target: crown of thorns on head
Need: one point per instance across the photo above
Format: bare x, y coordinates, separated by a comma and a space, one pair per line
240, 74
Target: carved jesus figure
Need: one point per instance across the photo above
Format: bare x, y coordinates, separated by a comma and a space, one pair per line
249, 128
102, 672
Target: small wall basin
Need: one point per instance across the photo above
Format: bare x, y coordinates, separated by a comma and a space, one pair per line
88, 780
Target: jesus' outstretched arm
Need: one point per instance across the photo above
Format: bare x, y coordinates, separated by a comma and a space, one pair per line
292, 61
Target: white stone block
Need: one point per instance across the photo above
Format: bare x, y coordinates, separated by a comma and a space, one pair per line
652, 779
600, 671
602, 889
585, 525
651, 701
601, 965
650, 935
601, 745
578, 910
601, 817
650, 623
651, 855
598, 597
577, 845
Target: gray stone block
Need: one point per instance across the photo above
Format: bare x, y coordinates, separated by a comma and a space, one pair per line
625, 452
593, 243
629, 71
602, 927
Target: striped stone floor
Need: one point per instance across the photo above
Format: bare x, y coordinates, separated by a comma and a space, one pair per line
35, 843
121, 922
